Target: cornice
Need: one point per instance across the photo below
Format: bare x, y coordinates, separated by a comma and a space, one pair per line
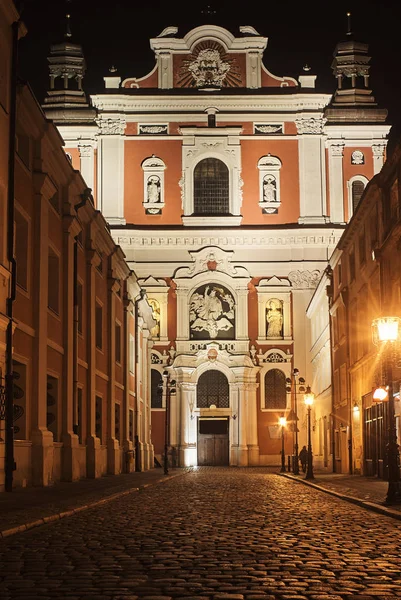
174, 104
136, 239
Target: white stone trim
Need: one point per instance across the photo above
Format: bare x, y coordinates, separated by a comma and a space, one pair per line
153, 175
378, 150
269, 173
336, 153
223, 221
365, 182
158, 289
266, 293
238, 288
285, 367
220, 143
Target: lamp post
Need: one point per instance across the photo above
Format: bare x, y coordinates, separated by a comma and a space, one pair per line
169, 390
386, 333
295, 382
283, 422
309, 397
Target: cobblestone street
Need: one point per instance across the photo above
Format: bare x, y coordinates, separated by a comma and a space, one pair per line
212, 534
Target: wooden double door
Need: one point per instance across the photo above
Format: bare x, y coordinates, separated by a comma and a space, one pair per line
213, 441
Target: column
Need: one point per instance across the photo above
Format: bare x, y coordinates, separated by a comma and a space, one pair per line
188, 443
126, 442
113, 446
311, 170
93, 464
378, 157
70, 464
253, 69
253, 442
87, 156
242, 426
241, 314
42, 438
110, 188
336, 184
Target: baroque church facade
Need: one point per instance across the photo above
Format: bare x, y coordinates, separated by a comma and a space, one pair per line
227, 188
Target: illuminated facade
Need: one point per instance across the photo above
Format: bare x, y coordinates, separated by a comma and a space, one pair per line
80, 337
228, 189
365, 284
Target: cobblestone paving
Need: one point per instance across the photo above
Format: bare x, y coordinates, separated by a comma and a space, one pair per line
211, 534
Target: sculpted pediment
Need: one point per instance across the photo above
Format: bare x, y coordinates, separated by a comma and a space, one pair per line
214, 260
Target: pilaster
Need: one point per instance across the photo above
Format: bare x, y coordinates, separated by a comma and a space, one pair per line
336, 153
111, 168
311, 170
187, 450
87, 156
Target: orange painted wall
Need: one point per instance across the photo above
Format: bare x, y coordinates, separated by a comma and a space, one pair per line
158, 417
287, 152
76, 161
135, 154
149, 81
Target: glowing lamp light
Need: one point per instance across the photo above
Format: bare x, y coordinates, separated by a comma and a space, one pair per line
282, 421
386, 329
309, 396
380, 394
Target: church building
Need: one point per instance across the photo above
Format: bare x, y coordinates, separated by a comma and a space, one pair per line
227, 187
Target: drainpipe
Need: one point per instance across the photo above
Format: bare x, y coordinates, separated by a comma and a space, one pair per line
9, 465
333, 427
75, 425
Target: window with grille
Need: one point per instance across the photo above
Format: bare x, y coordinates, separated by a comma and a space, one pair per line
211, 188
357, 189
213, 388
156, 389
275, 390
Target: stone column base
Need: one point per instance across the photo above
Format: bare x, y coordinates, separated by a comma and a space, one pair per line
42, 457
253, 456
69, 458
242, 456
188, 456
93, 463
113, 457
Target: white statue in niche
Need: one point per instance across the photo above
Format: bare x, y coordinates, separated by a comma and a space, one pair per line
155, 331
212, 311
274, 318
153, 190
269, 189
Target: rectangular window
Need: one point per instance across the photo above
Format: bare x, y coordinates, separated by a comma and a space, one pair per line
99, 326
131, 425
53, 281
21, 249
52, 406
118, 343
131, 354
117, 421
79, 306
99, 417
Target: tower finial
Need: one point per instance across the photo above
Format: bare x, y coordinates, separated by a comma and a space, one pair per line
349, 31
67, 34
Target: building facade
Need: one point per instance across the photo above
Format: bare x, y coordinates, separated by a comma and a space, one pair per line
228, 188
78, 355
365, 285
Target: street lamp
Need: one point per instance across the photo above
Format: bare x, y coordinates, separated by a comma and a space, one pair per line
169, 388
386, 334
282, 422
309, 397
296, 382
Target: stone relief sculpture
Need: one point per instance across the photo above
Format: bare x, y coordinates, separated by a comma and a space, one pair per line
357, 157
153, 194
212, 312
274, 318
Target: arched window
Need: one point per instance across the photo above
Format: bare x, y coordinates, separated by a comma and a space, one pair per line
211, 188
357, 189
212, 389
275, 390
156, 399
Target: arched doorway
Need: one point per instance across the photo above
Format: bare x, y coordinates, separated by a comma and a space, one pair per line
213, 432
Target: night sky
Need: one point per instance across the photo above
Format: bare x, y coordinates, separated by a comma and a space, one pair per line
118, 32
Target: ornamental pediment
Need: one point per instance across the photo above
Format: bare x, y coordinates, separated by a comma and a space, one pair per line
212, 260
